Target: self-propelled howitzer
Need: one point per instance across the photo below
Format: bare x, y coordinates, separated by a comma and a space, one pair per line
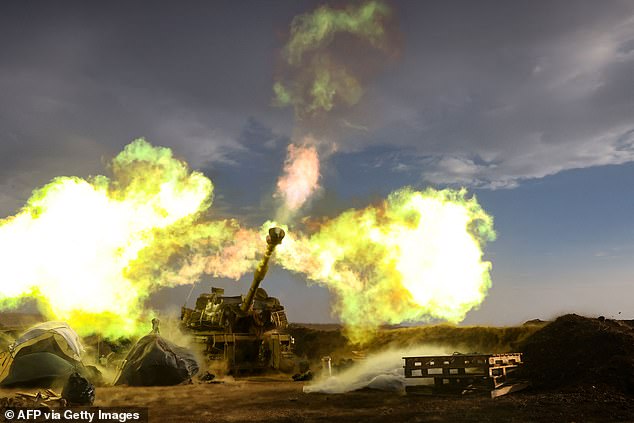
244, 332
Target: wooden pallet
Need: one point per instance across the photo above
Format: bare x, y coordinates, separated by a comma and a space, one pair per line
460, 372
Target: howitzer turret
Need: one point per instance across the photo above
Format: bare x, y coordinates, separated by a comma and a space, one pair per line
244, 331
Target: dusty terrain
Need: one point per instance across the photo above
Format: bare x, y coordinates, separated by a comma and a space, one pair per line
275, 400
269, 400
582, 370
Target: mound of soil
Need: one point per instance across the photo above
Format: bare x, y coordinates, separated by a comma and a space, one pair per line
574, 351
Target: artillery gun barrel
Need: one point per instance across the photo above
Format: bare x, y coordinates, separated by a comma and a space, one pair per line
273, 239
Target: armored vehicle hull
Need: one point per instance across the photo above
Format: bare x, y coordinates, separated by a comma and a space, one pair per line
243, 333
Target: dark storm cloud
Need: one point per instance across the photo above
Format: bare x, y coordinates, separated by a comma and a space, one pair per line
79, 81
490, 93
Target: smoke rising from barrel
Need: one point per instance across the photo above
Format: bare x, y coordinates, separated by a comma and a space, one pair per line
300, 179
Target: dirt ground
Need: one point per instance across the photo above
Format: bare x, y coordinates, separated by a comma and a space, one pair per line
581, 368
275, 400
281, 401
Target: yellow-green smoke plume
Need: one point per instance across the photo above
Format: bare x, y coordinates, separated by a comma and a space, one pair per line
316, 82
300, 179
82, 247
416, 256
91, 251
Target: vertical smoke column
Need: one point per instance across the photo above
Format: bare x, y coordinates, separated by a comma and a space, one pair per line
300, 179
314, 80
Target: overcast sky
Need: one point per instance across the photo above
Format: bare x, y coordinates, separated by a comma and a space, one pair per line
528, 104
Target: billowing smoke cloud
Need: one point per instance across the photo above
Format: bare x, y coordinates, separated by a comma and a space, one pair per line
81, 246
318, 74
90, 251
416, 256
300, 179
315, 81
320, 71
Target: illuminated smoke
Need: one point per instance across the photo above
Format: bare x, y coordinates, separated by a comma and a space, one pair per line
416, 256
300, 178
91, 251
181, 254
315, 80
81, 246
